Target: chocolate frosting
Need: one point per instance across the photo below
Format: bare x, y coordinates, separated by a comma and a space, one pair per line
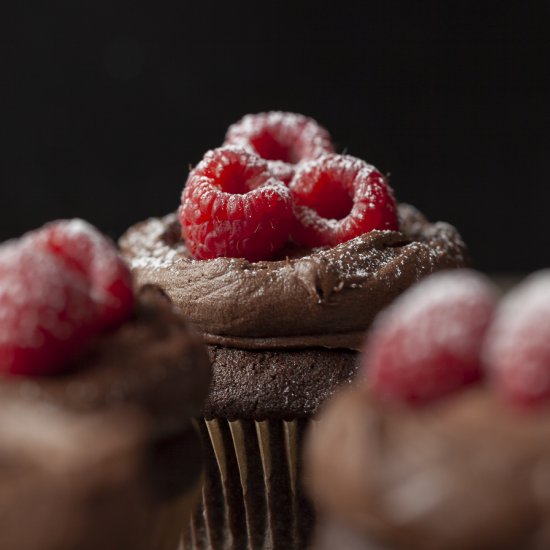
468, 472
311, 298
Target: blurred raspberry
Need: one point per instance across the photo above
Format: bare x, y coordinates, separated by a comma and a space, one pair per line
427, 344
517, 349
59, 286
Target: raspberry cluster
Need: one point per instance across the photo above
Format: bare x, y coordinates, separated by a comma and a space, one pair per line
277, 179
450, 330
59, 287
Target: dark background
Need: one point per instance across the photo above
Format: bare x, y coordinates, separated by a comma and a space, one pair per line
104, 105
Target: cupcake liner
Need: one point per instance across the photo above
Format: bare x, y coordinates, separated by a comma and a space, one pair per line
252, 496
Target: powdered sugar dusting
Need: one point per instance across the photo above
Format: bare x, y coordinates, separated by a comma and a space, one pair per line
434, 311
57, 301
218, 160
325, 187
302, 136
211, 172
342, 287
149, 248
427, 343
518, 345
59, 286
96, 251
385, 257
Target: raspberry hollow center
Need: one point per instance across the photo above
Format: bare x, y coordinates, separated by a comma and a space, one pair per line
233, 180
269, 148
331, 199
237, 178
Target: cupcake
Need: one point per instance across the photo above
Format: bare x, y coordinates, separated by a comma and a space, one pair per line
281, 263
444, 441
98, 389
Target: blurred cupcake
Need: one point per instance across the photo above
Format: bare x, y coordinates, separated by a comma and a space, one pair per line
431, 450
97, 391
282, 282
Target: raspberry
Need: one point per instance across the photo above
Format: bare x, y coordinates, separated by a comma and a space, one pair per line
340, 197
427, 343
283, 139
54, 297
233, 207
82, 248
517, 348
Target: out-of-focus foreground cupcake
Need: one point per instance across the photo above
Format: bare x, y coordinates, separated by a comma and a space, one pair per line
281, 255
445, 443
98, 389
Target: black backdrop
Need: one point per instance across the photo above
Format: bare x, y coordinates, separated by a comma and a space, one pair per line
105, 104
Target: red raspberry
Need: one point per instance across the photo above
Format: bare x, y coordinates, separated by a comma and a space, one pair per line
233, 207
95, 258
340, 197
427, 343
51, 304
517, 348
283, 139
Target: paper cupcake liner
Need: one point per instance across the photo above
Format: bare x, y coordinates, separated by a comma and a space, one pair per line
252, 497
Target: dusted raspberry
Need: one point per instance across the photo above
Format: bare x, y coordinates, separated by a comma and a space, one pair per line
56, 292
232, 206
96, 259
340, 197
517, 348
283, 139
427, 343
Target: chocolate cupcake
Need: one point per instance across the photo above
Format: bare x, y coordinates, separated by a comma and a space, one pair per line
467, 472
282, 296
98, 390
430, 450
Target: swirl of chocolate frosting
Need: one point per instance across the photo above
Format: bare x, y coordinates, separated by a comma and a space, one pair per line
467, 472
306, 298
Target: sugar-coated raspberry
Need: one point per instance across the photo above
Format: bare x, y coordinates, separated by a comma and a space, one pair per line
283, 139
338, 198
516, 352
95, 258
56, 294
427, 344
232, 206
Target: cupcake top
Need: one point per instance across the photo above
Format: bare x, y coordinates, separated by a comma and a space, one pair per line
75, 336
256, 264
153, 362
317, 297
467, 472
444, 442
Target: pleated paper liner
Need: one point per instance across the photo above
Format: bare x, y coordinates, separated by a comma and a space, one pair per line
252, 496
